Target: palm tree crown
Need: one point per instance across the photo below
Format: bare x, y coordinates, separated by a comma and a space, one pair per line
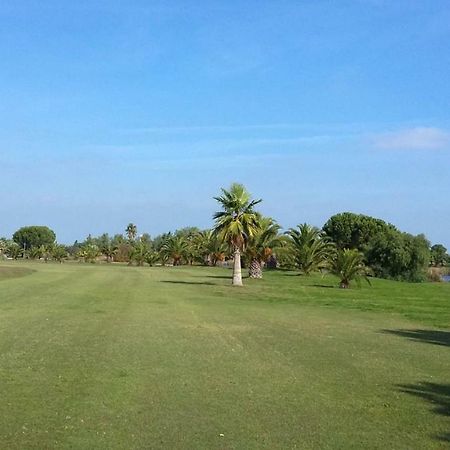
311, 248
131, 231
237, 223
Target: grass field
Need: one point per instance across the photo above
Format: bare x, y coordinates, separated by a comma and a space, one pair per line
106, 357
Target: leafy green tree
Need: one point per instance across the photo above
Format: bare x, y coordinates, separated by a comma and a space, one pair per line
34, 236
175, 248
439, 256
348, 265
399, 256
311, 248
236, 224
387, 251
260, 247
349, 230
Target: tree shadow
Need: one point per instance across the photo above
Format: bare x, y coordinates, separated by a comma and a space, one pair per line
324, 286
436, 337
207, 283
436, 394
222, 277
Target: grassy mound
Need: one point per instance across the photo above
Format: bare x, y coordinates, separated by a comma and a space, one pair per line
7, 272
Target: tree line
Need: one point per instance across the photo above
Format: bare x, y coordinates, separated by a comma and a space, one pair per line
353, 246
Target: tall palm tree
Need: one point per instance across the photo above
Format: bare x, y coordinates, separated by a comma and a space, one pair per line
260, 247
348, 265
131, 231
236, 224
312, 250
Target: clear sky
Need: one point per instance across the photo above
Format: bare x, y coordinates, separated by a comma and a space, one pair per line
139, 111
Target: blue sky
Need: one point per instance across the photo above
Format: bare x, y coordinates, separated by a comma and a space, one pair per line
139, 111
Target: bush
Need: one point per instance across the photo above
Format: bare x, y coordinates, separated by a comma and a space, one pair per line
386, 250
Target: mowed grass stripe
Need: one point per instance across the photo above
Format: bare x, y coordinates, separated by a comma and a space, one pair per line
127, 360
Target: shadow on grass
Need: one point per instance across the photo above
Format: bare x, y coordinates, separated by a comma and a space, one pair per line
222, 277
436, 394
429, 336
207, 283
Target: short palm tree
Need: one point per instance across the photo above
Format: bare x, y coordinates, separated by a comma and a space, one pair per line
236, 224
348, 265
209, 248
109, 250
35, 253
59, 252
152, 257
45, 252
260, 247
312, 250
176, 248
13, 250
139, 252
89, 252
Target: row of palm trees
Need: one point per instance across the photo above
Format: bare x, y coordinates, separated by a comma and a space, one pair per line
245, 230
11, 249
239, 231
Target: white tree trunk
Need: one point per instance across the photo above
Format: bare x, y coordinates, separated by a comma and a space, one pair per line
237, 272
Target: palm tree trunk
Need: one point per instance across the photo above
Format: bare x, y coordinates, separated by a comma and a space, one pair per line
237, 272
255, 270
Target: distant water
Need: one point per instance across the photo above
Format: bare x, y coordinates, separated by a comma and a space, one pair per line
446, 278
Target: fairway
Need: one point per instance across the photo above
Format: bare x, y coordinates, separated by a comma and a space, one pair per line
117, 357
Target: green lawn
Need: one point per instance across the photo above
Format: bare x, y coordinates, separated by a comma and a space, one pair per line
105, 357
